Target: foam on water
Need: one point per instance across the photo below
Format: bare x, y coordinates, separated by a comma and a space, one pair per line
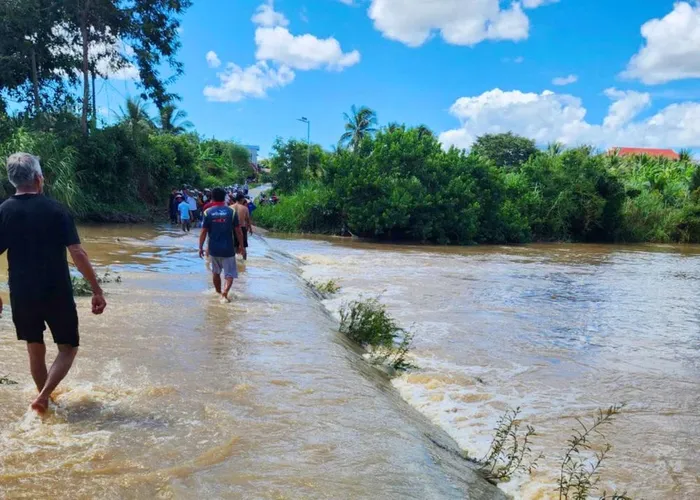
555, 331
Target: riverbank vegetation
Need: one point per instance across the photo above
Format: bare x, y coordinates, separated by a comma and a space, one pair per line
398, 183
367, 323
325, 288
510, 453
114, 166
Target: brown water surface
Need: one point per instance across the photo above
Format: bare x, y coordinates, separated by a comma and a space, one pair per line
175, 395
558, 330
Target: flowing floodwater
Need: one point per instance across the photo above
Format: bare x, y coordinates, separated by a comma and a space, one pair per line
558, 330
175, 395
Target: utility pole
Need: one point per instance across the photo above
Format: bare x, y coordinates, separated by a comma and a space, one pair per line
304, 119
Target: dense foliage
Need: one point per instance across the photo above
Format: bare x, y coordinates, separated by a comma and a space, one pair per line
400, 184
120, 169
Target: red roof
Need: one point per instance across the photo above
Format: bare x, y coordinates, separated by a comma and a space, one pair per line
665, 153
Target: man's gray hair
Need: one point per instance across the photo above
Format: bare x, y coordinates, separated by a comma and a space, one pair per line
22, 169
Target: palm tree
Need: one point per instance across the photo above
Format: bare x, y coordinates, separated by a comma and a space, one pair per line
555, 148
685, 156
172, 120
360, 124
134, 116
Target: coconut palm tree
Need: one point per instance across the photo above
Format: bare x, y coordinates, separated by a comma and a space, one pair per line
555, 148
360, 124
134, 116
172, 120
685, 156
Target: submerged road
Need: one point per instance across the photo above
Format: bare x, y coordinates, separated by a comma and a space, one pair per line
175, 395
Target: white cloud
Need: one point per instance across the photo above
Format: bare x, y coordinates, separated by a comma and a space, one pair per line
625, 106
519, 60
303, 52
267, 16
254, 81
279, 53
550, 117
533, 4
459, 22
347, 2
565, 80
213, 60
672, 49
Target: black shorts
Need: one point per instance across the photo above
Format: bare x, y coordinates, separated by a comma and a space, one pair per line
244, 230
31, 316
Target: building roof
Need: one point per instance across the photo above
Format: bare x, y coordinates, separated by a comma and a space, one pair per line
665, 153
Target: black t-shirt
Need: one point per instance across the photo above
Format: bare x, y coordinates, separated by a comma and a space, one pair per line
220, 221
35, 231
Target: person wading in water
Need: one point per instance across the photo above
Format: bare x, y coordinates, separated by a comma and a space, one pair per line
219, 224
241, 208
36, 231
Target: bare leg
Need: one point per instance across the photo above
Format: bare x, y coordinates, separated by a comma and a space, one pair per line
227, 288
37, 363
217, 283
58, 371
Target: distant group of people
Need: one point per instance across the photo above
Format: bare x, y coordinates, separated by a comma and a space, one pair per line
187, 206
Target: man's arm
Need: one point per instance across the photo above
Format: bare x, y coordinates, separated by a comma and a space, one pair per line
239, 236
82, 262
202, 240
248, 221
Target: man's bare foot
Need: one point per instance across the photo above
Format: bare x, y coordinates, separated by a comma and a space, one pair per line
225, 299
40, 405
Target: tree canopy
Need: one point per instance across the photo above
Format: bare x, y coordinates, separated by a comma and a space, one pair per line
505, 150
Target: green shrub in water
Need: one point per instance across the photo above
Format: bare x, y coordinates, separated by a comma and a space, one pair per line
7, 381
329, 287
367, 323
82, 288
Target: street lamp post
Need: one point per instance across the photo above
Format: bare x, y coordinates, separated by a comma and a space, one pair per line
304, 119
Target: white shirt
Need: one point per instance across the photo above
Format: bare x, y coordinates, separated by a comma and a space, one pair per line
192, 203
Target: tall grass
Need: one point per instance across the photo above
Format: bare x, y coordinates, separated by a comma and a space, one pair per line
310, 209
59, 165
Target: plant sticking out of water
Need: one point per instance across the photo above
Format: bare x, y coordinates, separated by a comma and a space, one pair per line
581, 466
367, 323
326, 288
510, 450
82, 288
7, 381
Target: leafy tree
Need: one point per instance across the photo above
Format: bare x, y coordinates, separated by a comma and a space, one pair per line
148, 27
153, 33
404, 186
33, 69
172, 120
505, 150
289, 166
359, 124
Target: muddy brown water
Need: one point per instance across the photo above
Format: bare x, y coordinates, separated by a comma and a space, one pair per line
558, 330
175, 395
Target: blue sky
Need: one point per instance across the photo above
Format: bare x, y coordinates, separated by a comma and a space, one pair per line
413, 60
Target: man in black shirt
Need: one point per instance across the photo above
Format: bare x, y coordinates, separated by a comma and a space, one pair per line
36, 231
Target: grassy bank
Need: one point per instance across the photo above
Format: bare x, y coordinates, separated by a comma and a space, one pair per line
119, 173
